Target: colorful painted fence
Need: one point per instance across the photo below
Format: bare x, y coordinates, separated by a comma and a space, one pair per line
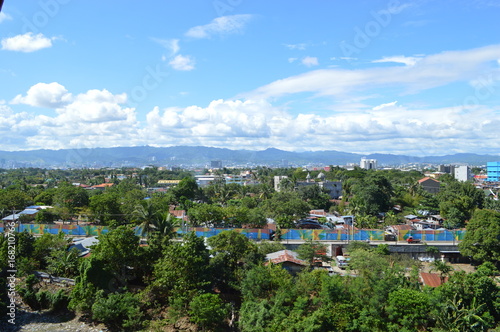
75, 230
258, 234
433, 235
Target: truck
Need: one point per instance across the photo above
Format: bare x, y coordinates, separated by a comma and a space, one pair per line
410, 239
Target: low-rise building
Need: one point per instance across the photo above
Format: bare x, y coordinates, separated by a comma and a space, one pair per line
430, 185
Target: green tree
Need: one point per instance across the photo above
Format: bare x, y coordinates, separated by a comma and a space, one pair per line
182, 272
285, 208
482, 239
105, 207
71, 197
442, 268
119, 311
120, 254
208, 311
186, 188
231, 252
267, 247
14, 199
205, 214
63, 263
312, 252
145, 214
409, 309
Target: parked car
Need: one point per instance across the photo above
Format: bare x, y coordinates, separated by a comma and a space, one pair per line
342, 262
309, 224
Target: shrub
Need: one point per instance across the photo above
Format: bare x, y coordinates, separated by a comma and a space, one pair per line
118, 310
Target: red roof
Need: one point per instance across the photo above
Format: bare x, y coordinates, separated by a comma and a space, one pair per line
178, 213
402, 227
285, 256
427, 178
431, 279
103, 185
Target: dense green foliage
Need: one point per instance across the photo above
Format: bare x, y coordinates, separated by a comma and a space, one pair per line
223, 283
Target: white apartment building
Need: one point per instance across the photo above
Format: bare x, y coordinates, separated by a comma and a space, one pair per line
463, 173
368, 163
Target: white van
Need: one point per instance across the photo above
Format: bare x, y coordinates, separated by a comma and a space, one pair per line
341, 262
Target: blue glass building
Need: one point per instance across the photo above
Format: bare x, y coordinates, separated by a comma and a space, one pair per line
493, 169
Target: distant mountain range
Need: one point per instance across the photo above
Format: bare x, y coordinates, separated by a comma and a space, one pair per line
200, 156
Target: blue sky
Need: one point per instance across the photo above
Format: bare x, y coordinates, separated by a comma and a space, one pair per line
404, 77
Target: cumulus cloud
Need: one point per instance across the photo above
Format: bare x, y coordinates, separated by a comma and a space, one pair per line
182, 62
96, 118
49, 95
220, 26
310, 61
28, 42
386, 128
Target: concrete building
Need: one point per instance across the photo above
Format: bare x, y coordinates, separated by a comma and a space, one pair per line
368, 163
332, 188
463, 173
206, 180
277, 181
216, 164
449, 169
493, 170
430, 185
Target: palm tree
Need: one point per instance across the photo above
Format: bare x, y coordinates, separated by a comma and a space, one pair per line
145, 213
165, 224
443, 269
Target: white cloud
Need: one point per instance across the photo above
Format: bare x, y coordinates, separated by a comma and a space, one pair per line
407, 60
181, 62
379, 107
310, 61
292, 60
172, 45
49, 95
220, 26
4, 17
346, 58
300, 47
28, 42
97, 118
386, 128
429, 72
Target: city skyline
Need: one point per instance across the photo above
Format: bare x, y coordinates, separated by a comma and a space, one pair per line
416, 78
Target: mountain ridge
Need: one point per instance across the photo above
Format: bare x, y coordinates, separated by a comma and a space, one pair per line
198, 155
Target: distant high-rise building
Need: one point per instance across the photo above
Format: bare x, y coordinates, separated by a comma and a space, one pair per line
463, 173
493, 169
450, 169
368, 163
217, 164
